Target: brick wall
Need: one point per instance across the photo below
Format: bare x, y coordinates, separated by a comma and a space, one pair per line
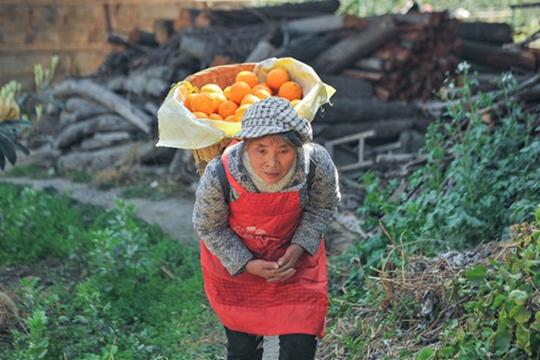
31, 31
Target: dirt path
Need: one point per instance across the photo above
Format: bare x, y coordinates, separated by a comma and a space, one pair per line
173, 216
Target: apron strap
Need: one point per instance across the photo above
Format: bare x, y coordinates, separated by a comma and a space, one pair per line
224, 182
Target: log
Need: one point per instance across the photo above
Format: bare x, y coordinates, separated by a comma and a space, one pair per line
384, 129
141, 37
123, 41
197, 48
372, 76
145, 82
359, 111
394, 159
102, 159
433, 19
75, 132
263, 50
348, 88
182, 21
286, 11
382, 93
316, 25
67, 118
105, 140
498, 57
76, 104
163, 29
305, 48
80, 109
530, 94
345, 52
103, 96
494, 33
182, 167
375, 64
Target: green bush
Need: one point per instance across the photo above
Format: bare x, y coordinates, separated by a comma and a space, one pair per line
16, 108
105, 285
479, 180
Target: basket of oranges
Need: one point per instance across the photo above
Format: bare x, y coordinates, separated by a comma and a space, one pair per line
204, 111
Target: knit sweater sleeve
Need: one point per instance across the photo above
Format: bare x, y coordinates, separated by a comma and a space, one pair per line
211, 221
323, 198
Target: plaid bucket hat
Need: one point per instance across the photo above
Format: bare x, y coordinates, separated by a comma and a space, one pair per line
273, 115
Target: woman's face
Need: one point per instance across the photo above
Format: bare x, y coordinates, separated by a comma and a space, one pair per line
271, 157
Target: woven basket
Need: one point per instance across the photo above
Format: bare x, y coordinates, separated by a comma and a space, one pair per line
223, 76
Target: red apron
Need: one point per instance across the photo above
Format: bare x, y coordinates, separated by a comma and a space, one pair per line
266, 222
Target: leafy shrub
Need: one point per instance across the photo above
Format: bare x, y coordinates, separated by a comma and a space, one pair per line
480, 179
119, 288
500, 304
37, 226
15, 111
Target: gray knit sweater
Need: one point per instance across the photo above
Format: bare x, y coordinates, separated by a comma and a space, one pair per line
211, 211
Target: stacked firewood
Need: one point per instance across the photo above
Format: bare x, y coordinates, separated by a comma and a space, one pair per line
97, 129
420, 49
385, 69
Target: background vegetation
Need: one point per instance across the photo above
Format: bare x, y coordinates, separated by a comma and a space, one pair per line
104, 286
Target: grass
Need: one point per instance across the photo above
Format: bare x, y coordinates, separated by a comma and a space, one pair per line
98, 285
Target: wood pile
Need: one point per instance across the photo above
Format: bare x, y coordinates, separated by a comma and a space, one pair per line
385, 69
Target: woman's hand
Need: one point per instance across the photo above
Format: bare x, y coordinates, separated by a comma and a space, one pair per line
262, 268
287, 262
276, 271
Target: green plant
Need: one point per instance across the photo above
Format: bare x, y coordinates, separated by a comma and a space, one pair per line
15, 111
479, 179
117, 288
120, 252
499, 303
35, 227
34, 342
11, 124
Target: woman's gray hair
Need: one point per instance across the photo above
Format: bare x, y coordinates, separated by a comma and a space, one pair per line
291, 137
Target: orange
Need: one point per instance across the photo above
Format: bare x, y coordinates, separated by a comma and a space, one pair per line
200, 115
227, 92
227, 108
290, 90
215, 117
219, 99
230, 118
202, 102
261, 86
238, 91
249, 77
187, 101
276, 77
262, 94
249, 99
183, 92
240, 112
210, 88
295, 102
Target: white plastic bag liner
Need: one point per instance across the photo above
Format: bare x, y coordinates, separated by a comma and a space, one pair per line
179, 128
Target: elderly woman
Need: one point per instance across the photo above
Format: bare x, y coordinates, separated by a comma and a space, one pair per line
261, 210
